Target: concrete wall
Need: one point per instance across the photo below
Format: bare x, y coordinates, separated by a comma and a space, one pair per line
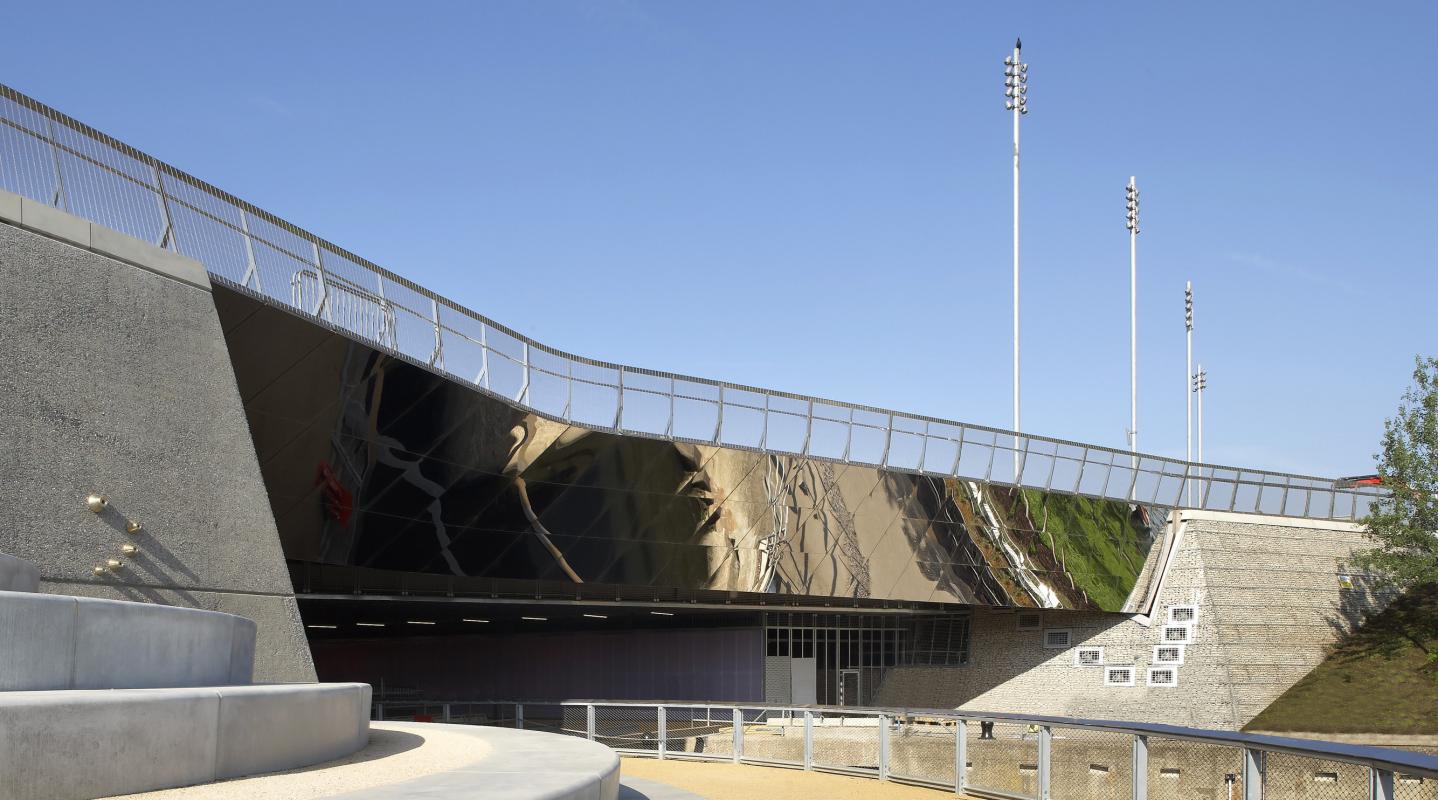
17, 575
83, 744
1269, 600
115, 378
53, 642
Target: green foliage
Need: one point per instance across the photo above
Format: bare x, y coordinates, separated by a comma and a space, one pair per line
1095, 540
1404, 524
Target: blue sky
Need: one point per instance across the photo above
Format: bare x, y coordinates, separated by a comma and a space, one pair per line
814, 196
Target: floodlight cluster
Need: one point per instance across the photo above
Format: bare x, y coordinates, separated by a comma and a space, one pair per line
1016, 79
1132, 191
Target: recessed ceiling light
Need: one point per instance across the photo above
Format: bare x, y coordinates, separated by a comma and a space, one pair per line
474, 620
327, 627
597, 616
536, 619
662, 613
370, 624
417, 622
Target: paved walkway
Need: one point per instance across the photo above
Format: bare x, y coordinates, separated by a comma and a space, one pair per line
644, 789
726, 781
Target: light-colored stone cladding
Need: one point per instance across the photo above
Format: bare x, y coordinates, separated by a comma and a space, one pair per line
1270, 600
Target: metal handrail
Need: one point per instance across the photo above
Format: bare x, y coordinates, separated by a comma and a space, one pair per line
1384, 765
55, 159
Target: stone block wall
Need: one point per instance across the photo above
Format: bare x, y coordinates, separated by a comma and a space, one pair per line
1269, 600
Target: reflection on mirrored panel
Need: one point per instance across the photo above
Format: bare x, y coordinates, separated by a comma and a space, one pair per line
374, 462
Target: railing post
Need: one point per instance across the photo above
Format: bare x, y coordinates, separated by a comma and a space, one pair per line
738, 734
444, 712
961, 756
1380, 784
519, 716
1046, 738
1140, 767
589, 721
808, 740
379, 712
1252, 774
663, 732
883, 747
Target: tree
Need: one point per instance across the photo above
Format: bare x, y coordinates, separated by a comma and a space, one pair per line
1403, 523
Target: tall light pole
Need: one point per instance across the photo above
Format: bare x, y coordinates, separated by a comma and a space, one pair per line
1016, 78
1188, 376
1133, 316
1200, 383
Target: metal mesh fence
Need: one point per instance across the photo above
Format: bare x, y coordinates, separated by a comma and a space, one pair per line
1180, 769
547, 717
923, 749
574, 721
1414, 787
1090, 765
1293, 777
774, 735
847, 742
55, 160
699, 732
627, 727
1004, 757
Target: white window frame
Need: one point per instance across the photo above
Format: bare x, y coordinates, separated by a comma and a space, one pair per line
1164, 668
1191, 607
1078, 656
1108, 674
1187, 634
1068, 638
1182, 653
1019, 621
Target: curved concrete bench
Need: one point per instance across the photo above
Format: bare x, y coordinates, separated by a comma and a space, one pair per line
59, 642
17, 575
518, 765
76, 745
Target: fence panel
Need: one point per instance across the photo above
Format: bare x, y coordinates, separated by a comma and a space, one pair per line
1181, 769
921, 749
1004, 757
846, 741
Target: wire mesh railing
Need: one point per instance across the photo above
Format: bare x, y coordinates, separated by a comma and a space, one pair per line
61, 162
979, 755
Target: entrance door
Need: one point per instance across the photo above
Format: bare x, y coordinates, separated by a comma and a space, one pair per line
848, 687
802, 684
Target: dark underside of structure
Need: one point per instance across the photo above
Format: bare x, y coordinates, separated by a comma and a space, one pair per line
388, 480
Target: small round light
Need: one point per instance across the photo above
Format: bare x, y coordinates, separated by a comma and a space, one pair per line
96, 502
114, 563
133, 527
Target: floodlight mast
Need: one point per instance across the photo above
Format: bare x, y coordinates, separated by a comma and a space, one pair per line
1132, 224
1188, 381
1016, 88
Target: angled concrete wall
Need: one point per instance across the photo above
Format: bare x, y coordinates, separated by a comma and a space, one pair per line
17, 575
1270, 599
115, 378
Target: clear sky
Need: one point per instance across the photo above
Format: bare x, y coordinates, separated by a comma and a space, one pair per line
815, 196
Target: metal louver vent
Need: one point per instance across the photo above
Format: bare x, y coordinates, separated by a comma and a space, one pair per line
1118, 676
1162, 676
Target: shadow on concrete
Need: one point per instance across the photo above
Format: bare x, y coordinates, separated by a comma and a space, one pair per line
643, 789
150, 547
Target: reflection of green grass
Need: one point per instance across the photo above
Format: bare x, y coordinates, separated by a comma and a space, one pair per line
1095, 541
1379, 679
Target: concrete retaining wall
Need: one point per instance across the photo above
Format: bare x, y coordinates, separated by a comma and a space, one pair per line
115, 379
76, 745
53, 642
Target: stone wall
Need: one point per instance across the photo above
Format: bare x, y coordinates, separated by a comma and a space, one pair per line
1269, 602
115, 379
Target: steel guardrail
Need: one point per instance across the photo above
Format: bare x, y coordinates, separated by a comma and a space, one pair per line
54, 159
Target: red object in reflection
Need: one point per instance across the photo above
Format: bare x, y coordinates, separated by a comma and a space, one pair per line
339, 501
1361, 480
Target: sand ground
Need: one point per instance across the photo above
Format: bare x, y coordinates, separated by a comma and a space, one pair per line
746, 782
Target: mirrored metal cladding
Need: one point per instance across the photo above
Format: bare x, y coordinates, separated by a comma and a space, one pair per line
51, 158
372, 461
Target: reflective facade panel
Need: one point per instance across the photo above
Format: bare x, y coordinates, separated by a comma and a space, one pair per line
373, 461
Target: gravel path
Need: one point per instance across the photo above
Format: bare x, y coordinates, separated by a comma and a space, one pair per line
392, 756
746, 782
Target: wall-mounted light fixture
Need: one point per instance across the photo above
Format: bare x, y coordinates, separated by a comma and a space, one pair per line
96, 502
114, 563
129, 549
133, 527
99, 569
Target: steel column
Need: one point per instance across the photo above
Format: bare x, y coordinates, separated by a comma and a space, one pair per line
1380, 785
808, 740
519, 715
1140, 767
663, 731
1046, 736
961, 756
738, 734
1252, 774
883, 747
589, 720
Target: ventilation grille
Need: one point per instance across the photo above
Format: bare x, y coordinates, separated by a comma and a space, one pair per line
1182, 615
1057, 639
1088, 657
1168, 654
1118, 676
1162, 676
1177, 634
1030, 620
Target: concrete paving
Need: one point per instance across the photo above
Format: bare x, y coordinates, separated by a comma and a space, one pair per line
645, 789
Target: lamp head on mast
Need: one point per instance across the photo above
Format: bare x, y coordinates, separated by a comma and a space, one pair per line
1132, 192
1016, 78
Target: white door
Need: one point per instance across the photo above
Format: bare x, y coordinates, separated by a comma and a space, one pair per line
803, 681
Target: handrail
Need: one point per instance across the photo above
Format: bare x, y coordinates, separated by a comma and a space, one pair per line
643, 727
55, 159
